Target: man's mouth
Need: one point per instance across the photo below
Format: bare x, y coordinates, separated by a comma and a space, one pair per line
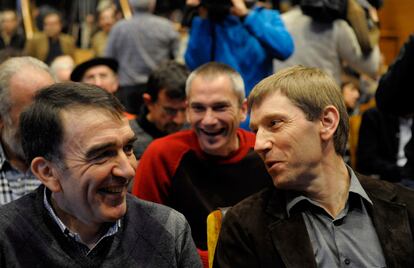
112, 189
213, 133
271, 163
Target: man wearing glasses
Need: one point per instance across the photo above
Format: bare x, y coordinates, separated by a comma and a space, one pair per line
164, 107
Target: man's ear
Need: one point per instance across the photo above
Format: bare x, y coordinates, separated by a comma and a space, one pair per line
329, 122
244, 109
187, 113
47, 173
147, 99
116, 83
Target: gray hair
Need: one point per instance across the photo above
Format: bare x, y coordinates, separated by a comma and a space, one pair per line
141, 5
7, 70
212, 70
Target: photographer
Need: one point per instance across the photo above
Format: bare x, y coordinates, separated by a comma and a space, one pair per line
231, 33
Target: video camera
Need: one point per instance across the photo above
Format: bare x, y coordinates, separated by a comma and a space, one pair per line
217, 8
220, 8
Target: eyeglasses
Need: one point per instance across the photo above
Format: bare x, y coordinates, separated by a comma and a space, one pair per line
172, 111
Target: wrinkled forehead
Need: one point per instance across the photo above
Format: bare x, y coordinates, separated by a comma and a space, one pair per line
83, 122
90, 115
217, 87
257, 99
99, 69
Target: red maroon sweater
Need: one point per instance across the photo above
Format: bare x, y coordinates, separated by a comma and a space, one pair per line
175, 171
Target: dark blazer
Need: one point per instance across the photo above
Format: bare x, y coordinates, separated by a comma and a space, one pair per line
17, 42
378, 145
394, 93
258, 233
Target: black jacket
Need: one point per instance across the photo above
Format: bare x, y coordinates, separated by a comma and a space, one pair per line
378, 146
258, 233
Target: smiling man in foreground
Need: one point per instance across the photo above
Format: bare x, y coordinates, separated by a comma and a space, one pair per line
213, 165
79, 145
319, 213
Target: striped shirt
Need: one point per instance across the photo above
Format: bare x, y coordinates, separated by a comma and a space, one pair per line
13, 183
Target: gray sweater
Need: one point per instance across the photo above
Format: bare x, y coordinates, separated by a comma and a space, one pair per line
151, 235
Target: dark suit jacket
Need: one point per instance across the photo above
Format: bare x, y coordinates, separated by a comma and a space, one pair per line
258, 233
378, 145
38, 46
17, 42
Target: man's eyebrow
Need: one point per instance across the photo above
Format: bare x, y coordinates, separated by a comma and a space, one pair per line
95, 150
221, 103
132, 140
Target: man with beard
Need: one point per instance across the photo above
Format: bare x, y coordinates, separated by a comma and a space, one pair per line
20, 78
165, 105
211, 166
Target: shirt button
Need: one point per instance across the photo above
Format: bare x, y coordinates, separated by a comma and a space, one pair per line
347, 261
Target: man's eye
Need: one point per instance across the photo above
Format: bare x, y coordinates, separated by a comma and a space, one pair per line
220, 108
275, 123
170, 111
129, 149
197, 108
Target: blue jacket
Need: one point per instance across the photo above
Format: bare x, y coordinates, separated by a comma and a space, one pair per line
248, 46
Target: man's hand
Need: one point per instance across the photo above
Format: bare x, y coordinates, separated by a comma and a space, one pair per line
239, 8
193, 3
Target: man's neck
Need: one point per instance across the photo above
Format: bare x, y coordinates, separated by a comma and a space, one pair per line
148, 125
89, 233
331, 187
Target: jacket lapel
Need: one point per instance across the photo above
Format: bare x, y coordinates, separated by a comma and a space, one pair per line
43, 48
289, 235
391, 223
392, 226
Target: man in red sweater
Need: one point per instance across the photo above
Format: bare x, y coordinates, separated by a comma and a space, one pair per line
210, 166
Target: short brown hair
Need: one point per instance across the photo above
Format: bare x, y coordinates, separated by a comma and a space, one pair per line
311, 90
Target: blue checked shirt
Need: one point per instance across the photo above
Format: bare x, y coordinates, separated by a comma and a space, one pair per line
13, 183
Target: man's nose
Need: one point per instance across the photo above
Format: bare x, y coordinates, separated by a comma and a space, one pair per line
126, 166
97, 81
262, 144
209, 117
180, 117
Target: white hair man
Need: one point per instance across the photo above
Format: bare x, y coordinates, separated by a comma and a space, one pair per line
20, 78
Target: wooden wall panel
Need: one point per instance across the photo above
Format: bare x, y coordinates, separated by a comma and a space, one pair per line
397, 23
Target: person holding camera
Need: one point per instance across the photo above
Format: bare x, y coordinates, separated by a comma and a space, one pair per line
239, 33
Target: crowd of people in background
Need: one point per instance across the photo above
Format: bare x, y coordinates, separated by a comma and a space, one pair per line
179, 81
